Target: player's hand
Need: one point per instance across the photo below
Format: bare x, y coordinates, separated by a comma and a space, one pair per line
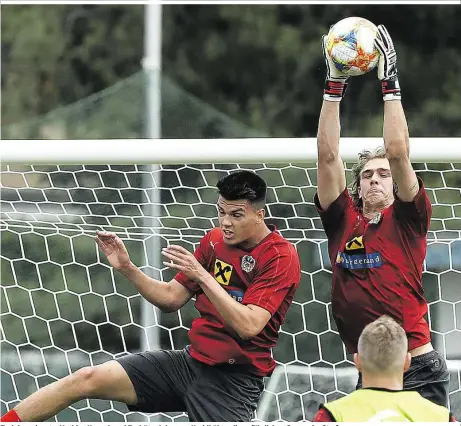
184, 261
333, 73
113, 248
387, 64
335, 81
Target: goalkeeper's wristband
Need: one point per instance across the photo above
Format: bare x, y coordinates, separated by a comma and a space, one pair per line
391, 89
334, 90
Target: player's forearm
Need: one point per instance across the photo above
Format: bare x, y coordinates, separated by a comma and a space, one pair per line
156, 292
395, 131
236, 315
328, 132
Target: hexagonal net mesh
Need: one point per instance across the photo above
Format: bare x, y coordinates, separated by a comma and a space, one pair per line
63, 307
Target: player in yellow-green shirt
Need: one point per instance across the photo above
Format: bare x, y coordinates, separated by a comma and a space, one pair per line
382, 358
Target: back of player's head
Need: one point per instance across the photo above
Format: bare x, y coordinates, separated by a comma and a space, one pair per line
243, 185
364, 157
383, 347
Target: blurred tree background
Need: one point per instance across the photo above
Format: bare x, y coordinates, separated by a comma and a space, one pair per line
261, 65
74, 72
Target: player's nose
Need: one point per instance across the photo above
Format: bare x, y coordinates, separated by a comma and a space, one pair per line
375, 178
225, 222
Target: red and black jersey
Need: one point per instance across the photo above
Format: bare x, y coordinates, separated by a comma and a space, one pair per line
266, 275
377, 265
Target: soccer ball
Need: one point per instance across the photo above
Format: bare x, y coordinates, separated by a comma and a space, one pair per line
350, 45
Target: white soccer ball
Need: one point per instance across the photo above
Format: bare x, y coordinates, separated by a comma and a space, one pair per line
350, 45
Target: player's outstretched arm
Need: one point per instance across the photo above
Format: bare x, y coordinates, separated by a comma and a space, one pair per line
395, 134
395, 128
331, 179
168, 297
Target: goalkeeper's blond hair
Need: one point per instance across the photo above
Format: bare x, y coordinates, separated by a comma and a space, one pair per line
364, 157
383, 347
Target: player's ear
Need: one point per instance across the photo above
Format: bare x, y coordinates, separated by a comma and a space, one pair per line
406, 366
357, 362
258, 208
260, 213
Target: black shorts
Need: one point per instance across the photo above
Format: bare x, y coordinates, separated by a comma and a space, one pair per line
428, 375
173, 381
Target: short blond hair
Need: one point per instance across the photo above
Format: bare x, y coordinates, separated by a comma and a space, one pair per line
383, 347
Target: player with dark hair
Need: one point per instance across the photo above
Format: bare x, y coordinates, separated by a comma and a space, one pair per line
244, 275
377, 233
382, 358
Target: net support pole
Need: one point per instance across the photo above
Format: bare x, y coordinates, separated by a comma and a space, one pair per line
152, 66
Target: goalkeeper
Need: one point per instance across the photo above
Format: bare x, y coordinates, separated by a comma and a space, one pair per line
244, 275
377, 232
382, 358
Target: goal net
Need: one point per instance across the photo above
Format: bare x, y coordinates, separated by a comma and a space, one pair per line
63, 307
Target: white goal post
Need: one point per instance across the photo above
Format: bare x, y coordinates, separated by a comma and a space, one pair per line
63, 307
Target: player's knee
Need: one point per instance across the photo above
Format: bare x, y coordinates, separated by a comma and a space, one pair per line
86, 381
104, 381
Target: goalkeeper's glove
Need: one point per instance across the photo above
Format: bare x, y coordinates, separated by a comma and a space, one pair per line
335, 82
387, 65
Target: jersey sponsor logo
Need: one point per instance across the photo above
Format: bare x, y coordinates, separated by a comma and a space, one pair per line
222, 272
248, 263
237, 295
354, 245
359, 261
